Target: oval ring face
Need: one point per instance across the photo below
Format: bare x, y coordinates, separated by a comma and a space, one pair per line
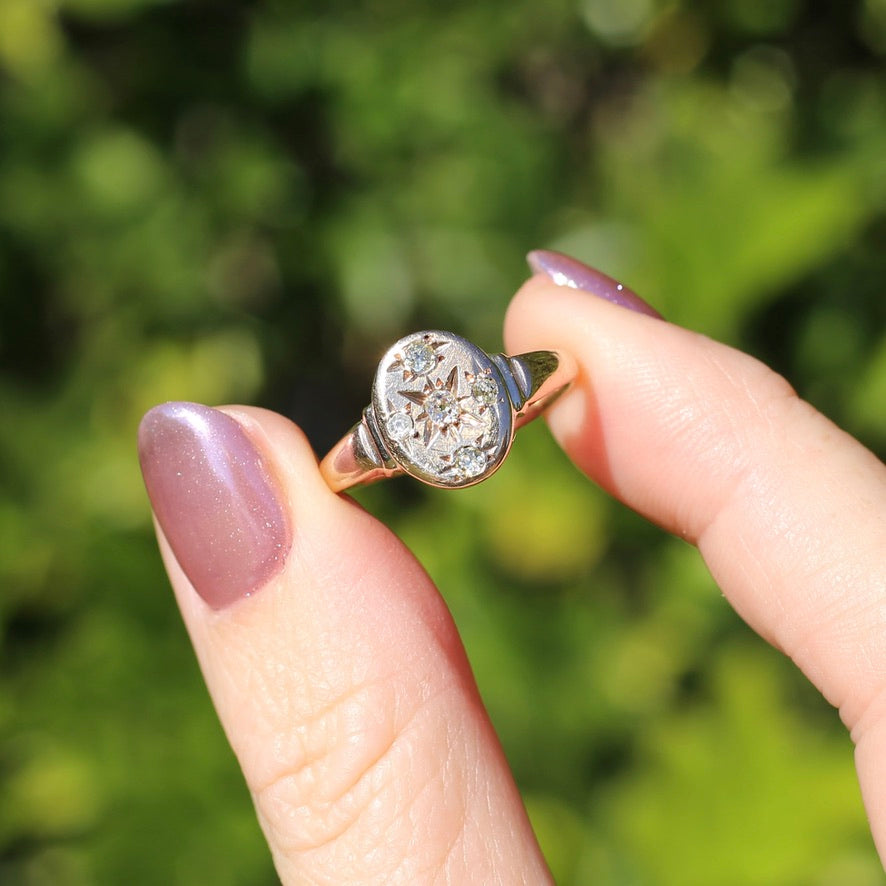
441, 406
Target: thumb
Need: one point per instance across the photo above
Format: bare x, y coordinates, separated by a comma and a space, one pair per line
333, 663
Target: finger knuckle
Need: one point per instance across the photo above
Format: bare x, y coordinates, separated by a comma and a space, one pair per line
317, 786
344, 790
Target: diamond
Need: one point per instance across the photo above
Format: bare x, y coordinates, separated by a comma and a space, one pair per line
484, 390
399, 425
419, 357
469, 461
442, 408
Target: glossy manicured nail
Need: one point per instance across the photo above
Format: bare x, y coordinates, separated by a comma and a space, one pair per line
566, 271
214, 499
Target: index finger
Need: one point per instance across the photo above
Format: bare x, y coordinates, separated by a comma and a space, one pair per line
788, 511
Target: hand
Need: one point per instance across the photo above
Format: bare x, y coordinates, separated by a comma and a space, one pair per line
336, 669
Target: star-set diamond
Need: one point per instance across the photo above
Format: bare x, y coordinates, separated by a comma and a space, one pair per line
469, 461
419, 358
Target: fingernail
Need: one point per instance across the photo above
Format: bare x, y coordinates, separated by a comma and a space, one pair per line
214, 499
566, 271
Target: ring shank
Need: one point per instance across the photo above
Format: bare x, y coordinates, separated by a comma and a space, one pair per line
534, 380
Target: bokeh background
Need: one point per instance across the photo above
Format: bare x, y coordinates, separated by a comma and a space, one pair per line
248, 201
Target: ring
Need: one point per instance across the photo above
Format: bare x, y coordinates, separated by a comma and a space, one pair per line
444, 411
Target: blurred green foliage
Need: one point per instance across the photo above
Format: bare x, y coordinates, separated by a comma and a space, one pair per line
246, 201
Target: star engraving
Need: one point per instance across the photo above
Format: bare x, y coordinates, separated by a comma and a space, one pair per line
444, 414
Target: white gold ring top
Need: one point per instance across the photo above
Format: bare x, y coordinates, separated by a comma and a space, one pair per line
444, 411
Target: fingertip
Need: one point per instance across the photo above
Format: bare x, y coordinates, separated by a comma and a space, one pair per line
597, 334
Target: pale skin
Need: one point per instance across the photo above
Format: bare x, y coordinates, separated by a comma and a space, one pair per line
342, 684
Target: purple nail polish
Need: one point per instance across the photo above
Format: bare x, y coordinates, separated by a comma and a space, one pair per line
215, 500
566, 271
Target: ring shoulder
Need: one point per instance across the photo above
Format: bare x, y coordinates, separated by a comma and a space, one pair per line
359, 458
533, 380
516, 376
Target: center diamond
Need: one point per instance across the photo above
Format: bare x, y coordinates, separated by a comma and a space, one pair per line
442, 408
